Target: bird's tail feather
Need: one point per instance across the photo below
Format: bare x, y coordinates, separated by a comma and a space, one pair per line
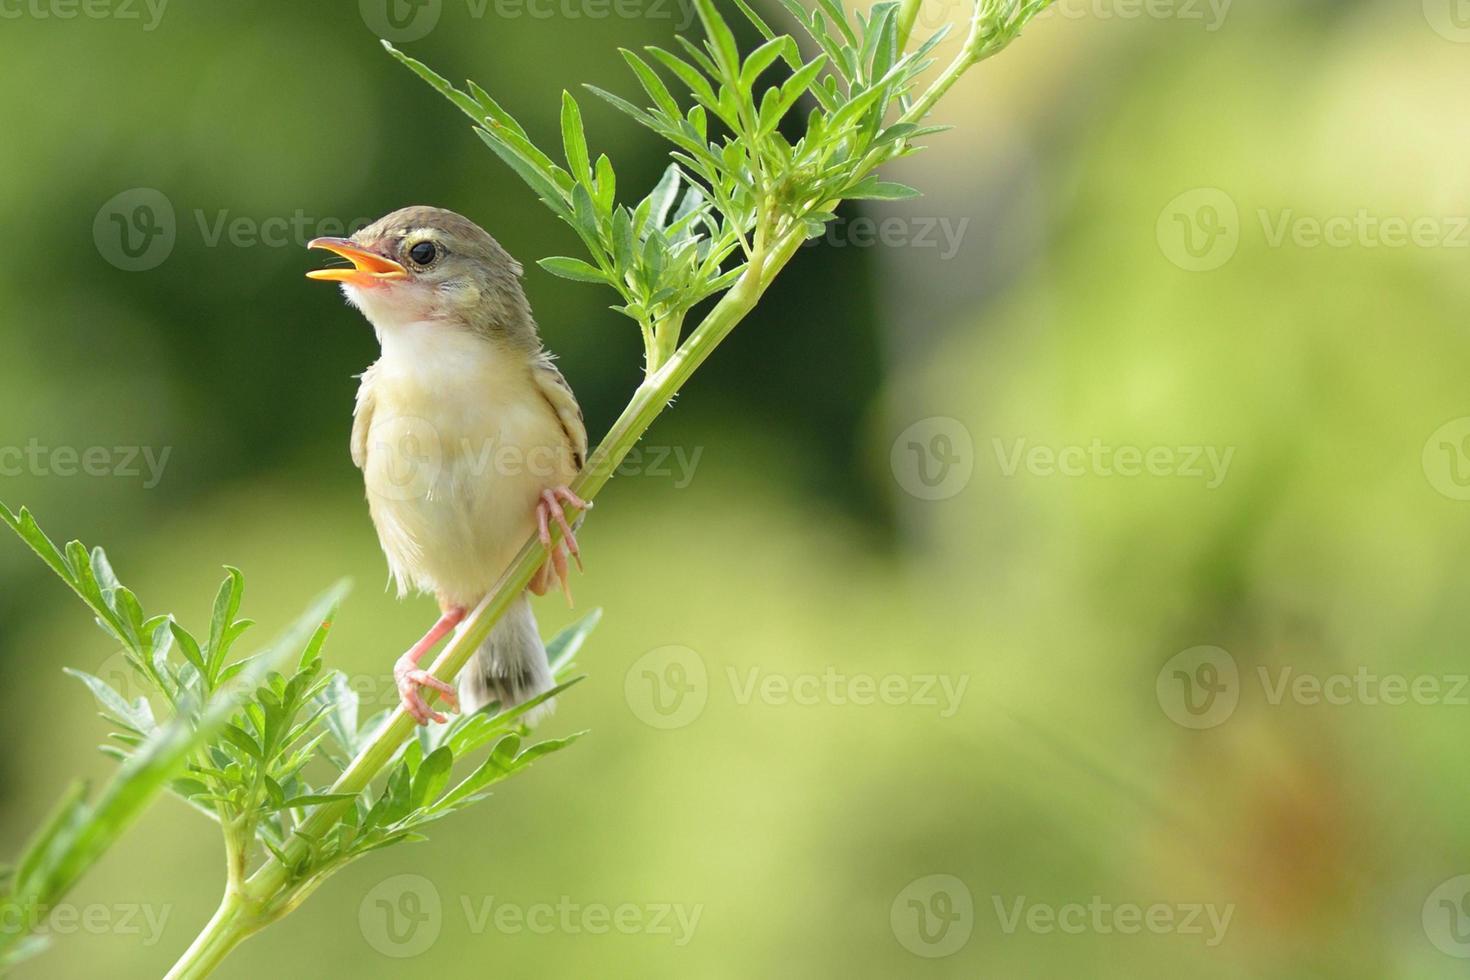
510, 667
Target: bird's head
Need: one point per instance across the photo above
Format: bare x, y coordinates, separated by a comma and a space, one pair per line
423, 265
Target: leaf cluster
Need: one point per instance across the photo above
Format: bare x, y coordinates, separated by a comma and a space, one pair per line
738, 183
253, 742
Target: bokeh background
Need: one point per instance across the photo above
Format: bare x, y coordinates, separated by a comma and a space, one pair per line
1129, 467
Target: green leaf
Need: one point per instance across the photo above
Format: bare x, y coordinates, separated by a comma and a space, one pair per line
574, 269
664, 195
699, 86
58, 831
652, 84
607, 184
574, 140
341, 719
838, 16
755, 19
188, 646
721, 40
622, 235
870, 188
137, 716
312, 799
432, 776
791, 90
226, 605
760, 59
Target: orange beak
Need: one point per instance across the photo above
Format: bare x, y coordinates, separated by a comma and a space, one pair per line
368, 268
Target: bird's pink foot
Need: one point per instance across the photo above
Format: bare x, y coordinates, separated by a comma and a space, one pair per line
549, 508
409, 677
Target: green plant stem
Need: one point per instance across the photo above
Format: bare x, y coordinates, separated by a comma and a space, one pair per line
229, 927
273, 886
908, 14
648, 401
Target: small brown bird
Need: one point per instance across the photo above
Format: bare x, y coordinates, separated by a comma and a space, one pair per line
467, 436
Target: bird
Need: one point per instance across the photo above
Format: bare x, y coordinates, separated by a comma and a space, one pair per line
468, 438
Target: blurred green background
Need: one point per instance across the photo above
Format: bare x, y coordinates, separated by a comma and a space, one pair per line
1146, 725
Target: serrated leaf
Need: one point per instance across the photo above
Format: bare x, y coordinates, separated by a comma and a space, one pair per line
114, 705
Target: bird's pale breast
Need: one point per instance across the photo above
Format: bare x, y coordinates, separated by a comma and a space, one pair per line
459, 446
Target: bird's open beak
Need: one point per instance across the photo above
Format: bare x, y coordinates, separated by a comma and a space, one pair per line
368, 268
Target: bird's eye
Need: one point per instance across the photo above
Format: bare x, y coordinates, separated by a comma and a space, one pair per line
423, 253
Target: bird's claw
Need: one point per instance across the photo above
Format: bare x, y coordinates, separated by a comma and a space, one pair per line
409, 677
549, 508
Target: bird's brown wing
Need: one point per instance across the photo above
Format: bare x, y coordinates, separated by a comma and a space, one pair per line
558, 394
362, 415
